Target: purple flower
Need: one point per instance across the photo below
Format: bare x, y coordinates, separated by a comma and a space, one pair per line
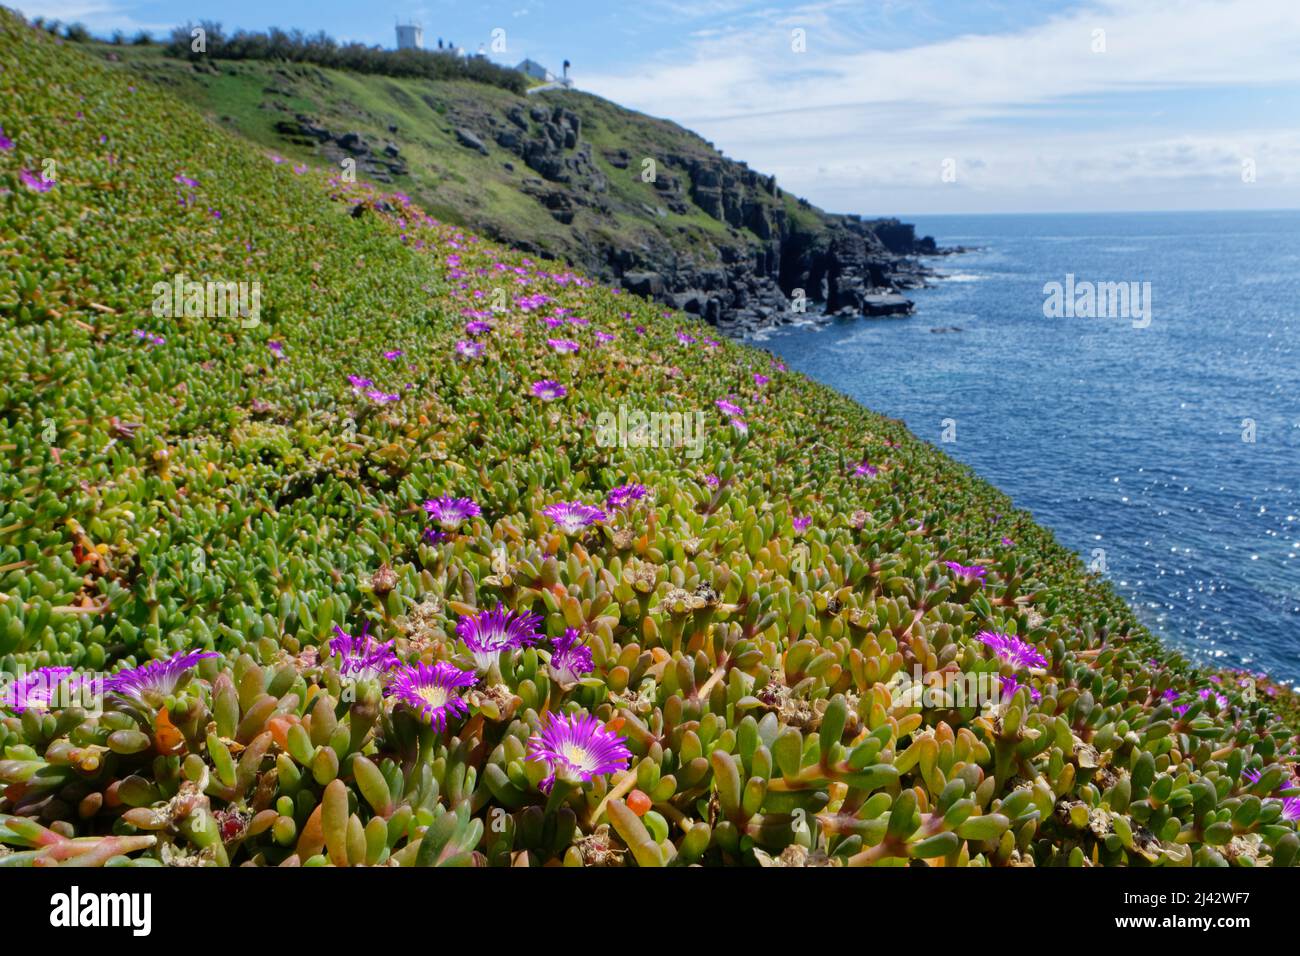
865, 470
712, 481
685, 339
735, 411
622, 496
450, 513
1170, 695
1208, 695
972, 572
477, 327
149, 337
152, 681
576, 748
1012, 649
761, 379
563, 346
467, 349
570, 659
35, 690
1010, 685
488, 633
6, 143
185, 180
604, 336
1007, 542
801, 523
277, 348
393, 355
572, 516
358, 383
548, 390
433, 691
1291, 809
381, 397
34, 182
362, 658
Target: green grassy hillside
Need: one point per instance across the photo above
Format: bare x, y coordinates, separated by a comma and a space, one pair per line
260, 101
184, 484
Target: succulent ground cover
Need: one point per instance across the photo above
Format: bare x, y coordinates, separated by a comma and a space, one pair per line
368, 582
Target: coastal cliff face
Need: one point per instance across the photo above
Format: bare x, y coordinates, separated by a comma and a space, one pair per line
637, 201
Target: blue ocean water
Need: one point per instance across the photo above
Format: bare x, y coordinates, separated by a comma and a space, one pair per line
1122, 440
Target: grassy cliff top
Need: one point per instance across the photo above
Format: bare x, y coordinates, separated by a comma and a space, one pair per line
709, 658
595, 185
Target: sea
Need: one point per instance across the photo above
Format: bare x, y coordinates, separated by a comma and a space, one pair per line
1155, 430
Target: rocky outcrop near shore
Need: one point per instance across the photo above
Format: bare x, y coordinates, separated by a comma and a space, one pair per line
651, 207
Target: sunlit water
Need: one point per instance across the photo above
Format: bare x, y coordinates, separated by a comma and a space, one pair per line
1127, 442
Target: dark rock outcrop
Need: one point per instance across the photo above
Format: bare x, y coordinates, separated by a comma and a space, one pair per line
773, 260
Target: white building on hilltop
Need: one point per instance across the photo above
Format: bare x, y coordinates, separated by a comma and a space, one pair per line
410, 36
536, 71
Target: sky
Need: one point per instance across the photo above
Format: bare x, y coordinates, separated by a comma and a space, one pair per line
894, 107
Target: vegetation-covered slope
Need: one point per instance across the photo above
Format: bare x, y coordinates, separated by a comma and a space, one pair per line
731, 647
562, 174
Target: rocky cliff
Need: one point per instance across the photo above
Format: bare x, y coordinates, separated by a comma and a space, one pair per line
636, 200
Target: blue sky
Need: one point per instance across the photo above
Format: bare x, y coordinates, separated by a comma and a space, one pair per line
897, 106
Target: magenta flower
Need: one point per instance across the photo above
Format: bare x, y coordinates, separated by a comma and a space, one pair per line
185, 180
393, 355
1010, 685
572, 516
6, 143
433, 691
1007, 542
450, 513
149, 337
548, 390
477, 327
358, 383
576, 748
735, 411
761, 379
622, 496
865, 470
277, 348
1291, 809
604, 336
570, 659
34, 690
1012, 649
488, 633
362, 658
471, 350
801, 523
153, 681
967, 573
564, 346
34, 182
685, 339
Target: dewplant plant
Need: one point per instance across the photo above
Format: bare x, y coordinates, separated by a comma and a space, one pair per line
354, 584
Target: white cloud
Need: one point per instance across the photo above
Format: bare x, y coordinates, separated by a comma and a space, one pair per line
100, 16
844, 115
